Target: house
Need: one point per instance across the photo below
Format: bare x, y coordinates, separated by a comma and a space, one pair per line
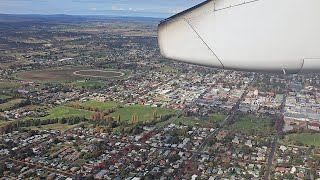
100, 175
314, 126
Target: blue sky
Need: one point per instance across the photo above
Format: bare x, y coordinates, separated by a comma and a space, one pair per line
151, 8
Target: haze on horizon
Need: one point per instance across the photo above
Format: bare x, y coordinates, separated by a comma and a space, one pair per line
147, 8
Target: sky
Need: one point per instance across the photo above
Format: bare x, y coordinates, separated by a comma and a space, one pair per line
147, 8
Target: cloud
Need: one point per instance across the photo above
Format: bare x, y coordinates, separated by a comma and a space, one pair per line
175, 10
93, 9
116, 8
135, 9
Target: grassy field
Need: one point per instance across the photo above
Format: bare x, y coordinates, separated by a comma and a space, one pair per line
303, 138
189, 121
2, 123
8, 84
101, 105
216, 118
88, 83
66, 112
58, 126
10, 104
4, 97
63, 74
252, 123
144, 113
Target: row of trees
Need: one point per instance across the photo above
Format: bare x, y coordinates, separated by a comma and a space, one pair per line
37, 122
77, 105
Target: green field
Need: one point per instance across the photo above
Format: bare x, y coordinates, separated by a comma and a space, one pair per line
58, 126
88, 84
189, 121
2, 123
252, 123
66, 73
101, 105
216, 118
66, 112
10, 104
144, 113
8, 85
303, 139
4, 97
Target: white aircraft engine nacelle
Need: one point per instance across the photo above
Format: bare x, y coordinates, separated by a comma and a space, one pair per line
279, 36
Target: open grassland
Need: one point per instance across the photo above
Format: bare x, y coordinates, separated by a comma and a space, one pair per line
4, 97
88, 83
216, 118
66, 112
304, 139
50, 74
252, 124
188, 121
57, 126
8, 84
10, 104
101, 105
144, 113
2, 123
68, 73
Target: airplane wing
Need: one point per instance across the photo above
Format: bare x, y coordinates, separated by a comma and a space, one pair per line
256, 35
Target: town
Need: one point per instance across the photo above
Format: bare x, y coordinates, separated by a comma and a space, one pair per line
94, 99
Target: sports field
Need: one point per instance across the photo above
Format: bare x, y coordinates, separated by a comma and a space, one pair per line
98, 73
144, 113
101, 105
304, 139
66, 112
67, 73
216, 118
252, 123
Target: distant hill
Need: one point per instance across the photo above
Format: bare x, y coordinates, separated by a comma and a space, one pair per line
62, 18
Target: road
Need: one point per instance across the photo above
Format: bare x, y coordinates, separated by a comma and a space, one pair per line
229, 118
275, 140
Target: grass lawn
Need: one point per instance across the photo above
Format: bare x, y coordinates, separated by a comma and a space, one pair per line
10, 104
4, 97
144, 113
101, 105
66, 112
2, 123
58, 126
189, 121
216, 118
8, 84
88, 83
249, 123
303, 138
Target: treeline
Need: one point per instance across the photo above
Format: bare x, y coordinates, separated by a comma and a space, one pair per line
23, 103
91, 108
37, 122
